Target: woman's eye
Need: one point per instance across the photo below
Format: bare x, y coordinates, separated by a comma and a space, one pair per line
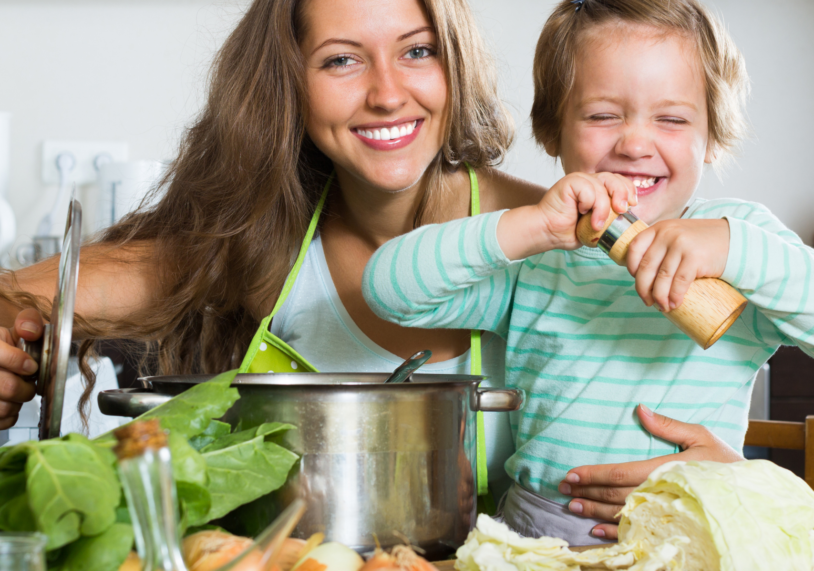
419, 52
340, 61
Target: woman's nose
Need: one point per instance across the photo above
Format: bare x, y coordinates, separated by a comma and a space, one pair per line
386, 90
635, 142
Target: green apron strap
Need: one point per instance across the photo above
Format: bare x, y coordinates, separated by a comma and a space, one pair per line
475, 365
289, 282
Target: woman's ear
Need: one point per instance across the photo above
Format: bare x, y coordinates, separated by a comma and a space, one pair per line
552, 149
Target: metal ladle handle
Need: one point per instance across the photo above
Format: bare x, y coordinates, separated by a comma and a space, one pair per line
408, 367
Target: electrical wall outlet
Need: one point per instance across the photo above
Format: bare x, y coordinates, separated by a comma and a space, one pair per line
87, 157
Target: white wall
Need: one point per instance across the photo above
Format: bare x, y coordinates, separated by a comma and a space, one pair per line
135, 71
129, 70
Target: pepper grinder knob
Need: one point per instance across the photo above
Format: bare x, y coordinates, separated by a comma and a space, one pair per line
710, 306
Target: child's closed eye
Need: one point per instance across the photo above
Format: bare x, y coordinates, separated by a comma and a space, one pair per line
598, 118
674, 120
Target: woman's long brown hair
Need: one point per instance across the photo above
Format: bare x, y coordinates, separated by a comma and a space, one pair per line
237, 200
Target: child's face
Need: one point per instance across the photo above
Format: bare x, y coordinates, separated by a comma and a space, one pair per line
638, 108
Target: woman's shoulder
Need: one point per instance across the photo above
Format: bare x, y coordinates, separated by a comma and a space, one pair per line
499, 190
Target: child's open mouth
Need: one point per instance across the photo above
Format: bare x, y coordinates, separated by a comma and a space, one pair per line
646, 185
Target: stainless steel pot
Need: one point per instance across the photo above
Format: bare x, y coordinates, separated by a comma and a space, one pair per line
378, 461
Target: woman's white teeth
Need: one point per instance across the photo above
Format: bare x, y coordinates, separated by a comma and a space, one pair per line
644, 182
385, 134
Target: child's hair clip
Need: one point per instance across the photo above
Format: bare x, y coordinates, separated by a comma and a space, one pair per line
578, 4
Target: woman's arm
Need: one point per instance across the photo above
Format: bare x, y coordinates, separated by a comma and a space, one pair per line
113, 284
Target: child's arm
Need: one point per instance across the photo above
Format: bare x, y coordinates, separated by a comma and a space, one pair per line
745, 245
459, 275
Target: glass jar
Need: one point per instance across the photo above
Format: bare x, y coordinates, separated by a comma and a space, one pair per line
22, 551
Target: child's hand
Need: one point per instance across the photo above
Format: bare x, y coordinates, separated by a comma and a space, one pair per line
667, 257
551, 224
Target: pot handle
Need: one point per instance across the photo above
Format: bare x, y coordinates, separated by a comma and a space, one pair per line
129, 402
498, 400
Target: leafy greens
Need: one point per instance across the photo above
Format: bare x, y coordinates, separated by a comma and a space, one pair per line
68, 488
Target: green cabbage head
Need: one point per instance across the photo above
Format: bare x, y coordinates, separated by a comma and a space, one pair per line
738, 517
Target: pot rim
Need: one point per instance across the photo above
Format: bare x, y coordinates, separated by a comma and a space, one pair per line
316, 379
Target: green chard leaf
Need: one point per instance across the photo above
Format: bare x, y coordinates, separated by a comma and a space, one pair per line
241, 473
190, 413
72, 488
187, 463
266, 429
103, 552
16, 515
13, 460
215, 430
195, 503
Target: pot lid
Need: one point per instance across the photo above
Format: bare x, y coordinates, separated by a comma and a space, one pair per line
315, 379
54, 361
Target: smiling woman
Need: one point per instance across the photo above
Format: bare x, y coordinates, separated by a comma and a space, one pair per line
397, 98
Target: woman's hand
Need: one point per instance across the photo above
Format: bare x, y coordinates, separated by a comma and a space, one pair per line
602, 489
669, 256
15, 363
552, 224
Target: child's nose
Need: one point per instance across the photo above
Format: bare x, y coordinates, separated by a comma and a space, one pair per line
386, 90
635, 142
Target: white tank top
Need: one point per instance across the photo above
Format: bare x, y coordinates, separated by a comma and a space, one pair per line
314, 316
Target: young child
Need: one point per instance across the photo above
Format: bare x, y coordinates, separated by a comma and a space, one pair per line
644, 92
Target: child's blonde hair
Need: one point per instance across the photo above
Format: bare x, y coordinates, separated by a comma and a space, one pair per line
727, 83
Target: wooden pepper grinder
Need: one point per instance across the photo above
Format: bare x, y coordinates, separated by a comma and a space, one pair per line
710, 305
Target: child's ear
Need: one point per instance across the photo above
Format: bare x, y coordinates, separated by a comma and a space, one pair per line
711, 154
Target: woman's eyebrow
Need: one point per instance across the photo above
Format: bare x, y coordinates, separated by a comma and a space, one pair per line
336, 41
414, 32
347, 42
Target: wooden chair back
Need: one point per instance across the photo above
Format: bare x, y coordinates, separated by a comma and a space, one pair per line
786, 435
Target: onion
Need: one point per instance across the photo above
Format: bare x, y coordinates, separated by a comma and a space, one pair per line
208, 550
295, 549
331, 556
400, 558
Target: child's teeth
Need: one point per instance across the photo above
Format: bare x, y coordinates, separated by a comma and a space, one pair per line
644, 183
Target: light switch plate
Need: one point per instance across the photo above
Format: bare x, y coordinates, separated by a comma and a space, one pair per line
85, 154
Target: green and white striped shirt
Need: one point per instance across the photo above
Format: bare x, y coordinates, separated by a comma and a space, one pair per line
583, 345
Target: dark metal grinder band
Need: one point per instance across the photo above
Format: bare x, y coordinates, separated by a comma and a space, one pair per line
618, 227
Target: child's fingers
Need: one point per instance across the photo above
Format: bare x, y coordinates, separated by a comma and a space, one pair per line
682, 280
601, 203
621, 189
663, 284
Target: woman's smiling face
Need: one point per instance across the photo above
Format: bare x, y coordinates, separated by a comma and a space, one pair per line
638, 108
377, 93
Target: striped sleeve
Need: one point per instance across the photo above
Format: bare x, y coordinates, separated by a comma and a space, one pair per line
772, 268
444, 276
